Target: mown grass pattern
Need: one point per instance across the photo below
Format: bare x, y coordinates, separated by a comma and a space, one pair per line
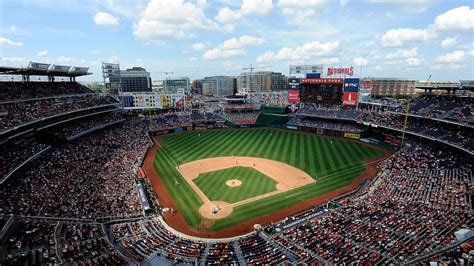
254, 183
333, 162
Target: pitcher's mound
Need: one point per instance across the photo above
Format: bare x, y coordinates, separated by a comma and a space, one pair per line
215, 210
233, 183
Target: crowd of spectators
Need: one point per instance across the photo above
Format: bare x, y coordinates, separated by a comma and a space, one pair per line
424, 196
11, 91
460, 136
77, 126
332, 125
14, 153
17, 113
446, 107
95, 173
241, 118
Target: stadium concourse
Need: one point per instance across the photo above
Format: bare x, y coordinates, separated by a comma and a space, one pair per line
71, 179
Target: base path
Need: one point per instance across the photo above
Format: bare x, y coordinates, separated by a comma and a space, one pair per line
176, 219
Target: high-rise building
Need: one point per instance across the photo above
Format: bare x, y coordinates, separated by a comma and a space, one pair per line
178, 85
196, 86
218, 86
261, 81
135, 79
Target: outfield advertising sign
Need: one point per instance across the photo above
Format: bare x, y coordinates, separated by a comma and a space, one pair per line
350, 93
294, 96
351, 135
293, 84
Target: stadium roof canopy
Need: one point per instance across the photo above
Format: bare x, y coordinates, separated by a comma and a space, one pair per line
41, 69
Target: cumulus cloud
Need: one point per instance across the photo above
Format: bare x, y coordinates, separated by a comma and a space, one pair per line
402, 36
232, 47
297, 11
455, 56
43, 53
456, 19
163, 19
217, 53
199, 46
65, 59
256, 7
360, 61
105, 19
413, 61
226, 15
400, 53
414, 6
448, 42
8, 42
303, 52
329, 61
244, 40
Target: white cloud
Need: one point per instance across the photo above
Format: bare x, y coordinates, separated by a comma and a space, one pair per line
193, 58
8, 42
43, 53
163, 19
113, 59
297, 11
256, 7
244, 40
12, 28
456, 19
343, 3
413, 61
360, 61
448, 42
455, 56
227, 15
217, 53
199, 46
400, 53
105, 19
95, 52
303, 52
402, 36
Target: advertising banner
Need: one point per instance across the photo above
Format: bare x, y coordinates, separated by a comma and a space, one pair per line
349, 98
294, 96
351, 85
293, 84
351, 135
322, 81
313, 75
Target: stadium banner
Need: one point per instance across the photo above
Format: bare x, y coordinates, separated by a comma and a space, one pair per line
350, 135
294, 96
351, 85
293, 84
346, 71
322, 81
349, 98
292, 127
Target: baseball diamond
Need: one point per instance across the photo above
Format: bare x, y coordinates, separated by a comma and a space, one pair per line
325, 164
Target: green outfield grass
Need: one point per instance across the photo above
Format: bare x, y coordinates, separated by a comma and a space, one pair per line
254, 183
335, 163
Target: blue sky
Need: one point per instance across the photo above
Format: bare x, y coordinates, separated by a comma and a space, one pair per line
402, 39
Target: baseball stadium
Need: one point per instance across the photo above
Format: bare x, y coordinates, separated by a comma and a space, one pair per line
252, 132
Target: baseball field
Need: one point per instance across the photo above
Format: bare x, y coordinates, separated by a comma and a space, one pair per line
232, 176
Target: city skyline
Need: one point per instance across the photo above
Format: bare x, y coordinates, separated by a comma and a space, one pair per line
399, 39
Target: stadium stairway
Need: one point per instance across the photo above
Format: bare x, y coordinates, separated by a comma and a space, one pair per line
203, 258
238, 252
290, 255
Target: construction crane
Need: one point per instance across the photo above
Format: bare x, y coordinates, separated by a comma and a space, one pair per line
249, 83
